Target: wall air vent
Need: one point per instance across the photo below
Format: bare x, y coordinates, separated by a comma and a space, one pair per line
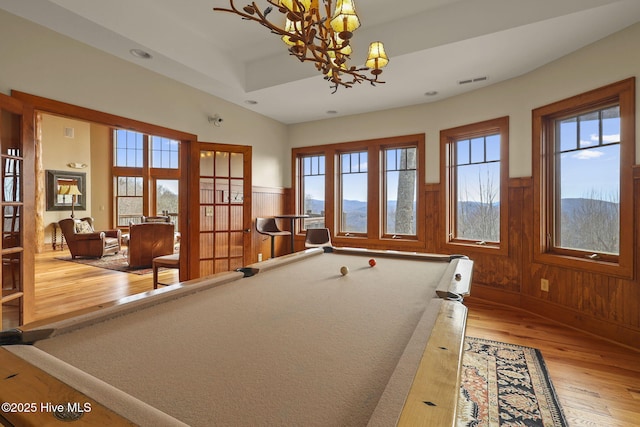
474, 80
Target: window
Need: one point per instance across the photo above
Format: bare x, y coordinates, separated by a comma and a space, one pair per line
145, 174
584, 151
475, 175
312, 189
353, 192
587, 181
401, 186
164, 153
166, 193
366, 190
129, 148
129, 200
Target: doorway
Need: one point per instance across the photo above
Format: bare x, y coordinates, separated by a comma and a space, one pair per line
223, 207
37, 185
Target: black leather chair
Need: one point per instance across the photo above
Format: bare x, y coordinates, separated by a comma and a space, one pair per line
269, 227
317, 238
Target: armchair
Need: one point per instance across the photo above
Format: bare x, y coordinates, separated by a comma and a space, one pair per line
149, 240
84, 241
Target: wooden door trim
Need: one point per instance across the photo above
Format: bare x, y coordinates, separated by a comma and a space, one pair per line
59, 108
194, 206
74, 111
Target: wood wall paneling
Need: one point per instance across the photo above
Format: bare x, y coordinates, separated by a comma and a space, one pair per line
267, 202
432, 217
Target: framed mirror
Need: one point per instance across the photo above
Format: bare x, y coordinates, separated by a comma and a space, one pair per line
60, 187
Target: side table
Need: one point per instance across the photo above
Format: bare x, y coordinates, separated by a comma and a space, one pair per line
54, 236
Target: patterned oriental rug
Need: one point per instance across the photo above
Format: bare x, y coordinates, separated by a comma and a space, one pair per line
117, 262
506, 385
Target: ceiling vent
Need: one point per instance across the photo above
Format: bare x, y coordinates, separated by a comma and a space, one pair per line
474, 80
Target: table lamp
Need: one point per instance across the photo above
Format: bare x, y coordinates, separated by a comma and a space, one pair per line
73, 191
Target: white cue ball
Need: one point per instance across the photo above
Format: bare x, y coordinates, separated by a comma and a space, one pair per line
344, 270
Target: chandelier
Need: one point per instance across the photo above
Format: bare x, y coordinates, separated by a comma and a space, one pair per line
323, 39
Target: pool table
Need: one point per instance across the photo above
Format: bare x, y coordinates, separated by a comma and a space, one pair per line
290, 342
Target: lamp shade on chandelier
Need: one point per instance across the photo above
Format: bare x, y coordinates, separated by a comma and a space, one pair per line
321, 37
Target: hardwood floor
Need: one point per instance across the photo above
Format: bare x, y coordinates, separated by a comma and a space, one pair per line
63, 287
597, 382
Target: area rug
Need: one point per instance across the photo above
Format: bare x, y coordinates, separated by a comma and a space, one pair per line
117, 262
506, 385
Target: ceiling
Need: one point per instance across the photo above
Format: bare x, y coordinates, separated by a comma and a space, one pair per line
433, 45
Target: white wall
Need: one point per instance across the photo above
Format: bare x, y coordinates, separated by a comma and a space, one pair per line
36, 60
607, 61
57, 151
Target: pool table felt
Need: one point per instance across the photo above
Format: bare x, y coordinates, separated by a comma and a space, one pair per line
299, 344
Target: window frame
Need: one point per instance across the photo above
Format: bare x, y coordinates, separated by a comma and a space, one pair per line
339, 228
384, 187
148, 173
448, 137
544, 181
374, 237
117, 198
300, 186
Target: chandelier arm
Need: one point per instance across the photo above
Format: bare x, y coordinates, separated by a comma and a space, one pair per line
337, 71
261, 18
314, 40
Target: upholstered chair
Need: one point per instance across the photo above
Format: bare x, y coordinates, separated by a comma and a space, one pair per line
149, 240
84, 241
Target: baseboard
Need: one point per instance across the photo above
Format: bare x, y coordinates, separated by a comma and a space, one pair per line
620, 334
604, 329
500, 296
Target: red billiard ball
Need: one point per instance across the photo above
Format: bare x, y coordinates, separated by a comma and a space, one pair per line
372, 262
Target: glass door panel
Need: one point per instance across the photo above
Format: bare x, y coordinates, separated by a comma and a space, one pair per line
224, 214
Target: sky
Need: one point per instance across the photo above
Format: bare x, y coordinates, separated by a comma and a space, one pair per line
587, 167
591, 168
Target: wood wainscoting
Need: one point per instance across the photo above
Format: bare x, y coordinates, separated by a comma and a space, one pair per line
599, 304
267, 202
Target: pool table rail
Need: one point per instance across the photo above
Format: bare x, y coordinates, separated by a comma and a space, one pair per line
30, 397
431, 401
429, 395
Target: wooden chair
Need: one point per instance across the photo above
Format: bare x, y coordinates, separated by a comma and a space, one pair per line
167, 261
147, 241
317, 238
269, 227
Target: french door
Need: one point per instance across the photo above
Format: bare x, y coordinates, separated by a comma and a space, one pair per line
223, 208
17, 204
